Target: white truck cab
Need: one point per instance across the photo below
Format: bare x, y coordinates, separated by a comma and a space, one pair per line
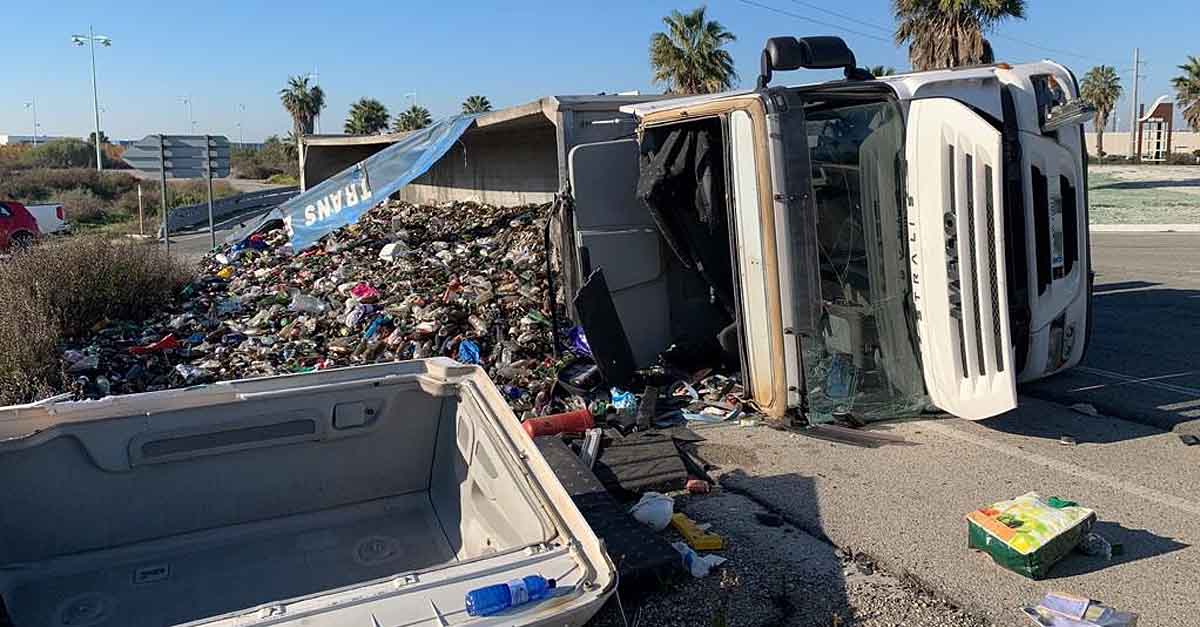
863, 247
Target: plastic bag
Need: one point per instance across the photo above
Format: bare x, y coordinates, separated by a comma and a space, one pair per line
654, 510
307, 304
697, 564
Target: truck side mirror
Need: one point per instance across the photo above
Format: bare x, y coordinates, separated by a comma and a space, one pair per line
814, 53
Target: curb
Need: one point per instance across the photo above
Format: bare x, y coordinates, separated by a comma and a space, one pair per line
1144, 228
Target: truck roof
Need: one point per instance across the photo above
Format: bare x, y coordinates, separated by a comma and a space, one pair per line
905, 85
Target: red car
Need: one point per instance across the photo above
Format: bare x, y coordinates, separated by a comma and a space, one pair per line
18, 227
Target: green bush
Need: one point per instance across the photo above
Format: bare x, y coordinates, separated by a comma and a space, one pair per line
179, 194
44, 184
12, 157
60, 290
275, 157
283, 179
61, 153
1182, 158
81, 204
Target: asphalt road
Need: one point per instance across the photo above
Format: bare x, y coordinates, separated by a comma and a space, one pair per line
1142, 361
192, 244
904, 505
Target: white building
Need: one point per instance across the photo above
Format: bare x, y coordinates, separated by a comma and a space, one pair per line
12, 140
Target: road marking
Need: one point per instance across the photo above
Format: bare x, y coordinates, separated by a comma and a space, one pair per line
1135, 489
1153, 382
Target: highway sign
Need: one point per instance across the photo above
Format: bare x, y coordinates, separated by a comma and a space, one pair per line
182, 156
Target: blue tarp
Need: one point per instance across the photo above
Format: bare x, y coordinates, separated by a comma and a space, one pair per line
345, 197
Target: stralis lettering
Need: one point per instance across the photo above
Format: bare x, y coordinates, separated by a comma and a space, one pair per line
333, 203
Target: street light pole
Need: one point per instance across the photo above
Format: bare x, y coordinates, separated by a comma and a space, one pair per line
92, 38
187, 100
33, 105
96, 100
241, 108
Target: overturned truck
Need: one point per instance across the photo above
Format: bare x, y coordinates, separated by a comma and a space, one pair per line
860, 248
864, 247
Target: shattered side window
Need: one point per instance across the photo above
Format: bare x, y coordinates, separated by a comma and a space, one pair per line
862, 363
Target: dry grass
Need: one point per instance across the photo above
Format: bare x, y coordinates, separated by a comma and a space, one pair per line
61, 290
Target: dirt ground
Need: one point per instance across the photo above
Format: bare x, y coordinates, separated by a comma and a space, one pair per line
1144, 194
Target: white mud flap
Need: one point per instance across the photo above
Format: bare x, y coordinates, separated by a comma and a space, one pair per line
957, 259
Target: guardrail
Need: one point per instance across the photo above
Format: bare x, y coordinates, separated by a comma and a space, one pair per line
196, 215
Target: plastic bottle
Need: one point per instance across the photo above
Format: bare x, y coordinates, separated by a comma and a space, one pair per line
499, 597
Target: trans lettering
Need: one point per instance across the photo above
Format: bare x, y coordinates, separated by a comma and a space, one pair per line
333, 203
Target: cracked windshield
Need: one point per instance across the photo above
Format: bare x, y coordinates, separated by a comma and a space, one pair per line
864, 365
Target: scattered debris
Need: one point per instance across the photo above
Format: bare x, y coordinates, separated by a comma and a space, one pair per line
591, 446
1028, 534
462, 280
698, 565
1097, 545
1085, 408
605, 336
640, 557
654, 510
854, 437
577, 421
696, 537
1064, 610
1067, 440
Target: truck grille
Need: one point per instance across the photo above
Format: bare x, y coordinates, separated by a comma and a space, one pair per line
974, 295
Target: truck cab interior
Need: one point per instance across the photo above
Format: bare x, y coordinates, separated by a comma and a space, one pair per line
691, 269
863, 363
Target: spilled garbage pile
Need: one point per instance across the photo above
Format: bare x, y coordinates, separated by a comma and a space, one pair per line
469, 282
466, 281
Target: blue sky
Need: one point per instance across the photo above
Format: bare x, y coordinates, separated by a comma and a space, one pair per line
224, 55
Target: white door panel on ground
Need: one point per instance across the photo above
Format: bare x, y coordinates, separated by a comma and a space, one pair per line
957, 259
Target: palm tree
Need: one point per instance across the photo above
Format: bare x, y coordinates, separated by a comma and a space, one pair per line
303, 103
950, 33
1187, 91
1101, 87
879, 70
476, 104
413, 118
688, 58
367, 117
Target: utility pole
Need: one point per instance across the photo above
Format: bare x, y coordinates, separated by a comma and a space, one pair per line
33, 105
1133, 107
94, 39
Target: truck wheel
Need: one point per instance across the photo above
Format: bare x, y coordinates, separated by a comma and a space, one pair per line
22, 240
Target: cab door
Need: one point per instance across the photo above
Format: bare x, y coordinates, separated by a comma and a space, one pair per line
614, 232
957, 259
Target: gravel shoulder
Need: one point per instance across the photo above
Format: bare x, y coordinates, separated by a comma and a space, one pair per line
779, 574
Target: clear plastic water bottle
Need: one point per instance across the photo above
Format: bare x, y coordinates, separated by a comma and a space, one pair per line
499, 597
